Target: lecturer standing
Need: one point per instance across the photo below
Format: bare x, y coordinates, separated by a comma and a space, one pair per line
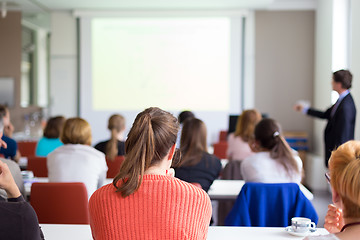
341, 116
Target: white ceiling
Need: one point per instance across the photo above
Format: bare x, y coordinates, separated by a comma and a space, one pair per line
32, 6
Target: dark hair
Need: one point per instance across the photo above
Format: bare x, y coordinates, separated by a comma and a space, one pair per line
185, 115
268, 134
116, 124
151, 136
54, 127
344, 77
3, 110
192, 142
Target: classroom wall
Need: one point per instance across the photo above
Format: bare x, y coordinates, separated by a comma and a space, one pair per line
355, 59
63, 65
284, 65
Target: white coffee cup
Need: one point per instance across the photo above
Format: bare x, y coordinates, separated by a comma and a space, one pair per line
301, 224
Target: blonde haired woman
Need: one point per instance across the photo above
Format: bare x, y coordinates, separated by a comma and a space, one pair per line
76, 160
238, 142
343, 217
145, 201
115, 146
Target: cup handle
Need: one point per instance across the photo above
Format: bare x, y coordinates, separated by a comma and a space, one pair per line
312, 225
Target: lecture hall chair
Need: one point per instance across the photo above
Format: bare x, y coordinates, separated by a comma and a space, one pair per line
223, 136
38, 165
114, 166
27, 148
220, 149
60, 203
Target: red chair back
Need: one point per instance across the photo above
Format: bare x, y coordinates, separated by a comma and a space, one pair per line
223, 136
114, 166
60, 203
38, 166
220, 149
27, 148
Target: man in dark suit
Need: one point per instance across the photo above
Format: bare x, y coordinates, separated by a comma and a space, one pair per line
341, 116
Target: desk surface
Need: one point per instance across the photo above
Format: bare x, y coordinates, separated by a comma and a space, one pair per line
83, 232
219, 190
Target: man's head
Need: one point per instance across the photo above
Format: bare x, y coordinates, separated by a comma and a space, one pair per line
342, 80
5, 115
1, 126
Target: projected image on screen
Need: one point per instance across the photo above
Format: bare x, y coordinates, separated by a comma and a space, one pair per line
171, 63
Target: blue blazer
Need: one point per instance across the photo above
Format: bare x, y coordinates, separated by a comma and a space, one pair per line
270, 205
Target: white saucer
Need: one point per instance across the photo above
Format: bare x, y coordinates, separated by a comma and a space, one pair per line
299, 234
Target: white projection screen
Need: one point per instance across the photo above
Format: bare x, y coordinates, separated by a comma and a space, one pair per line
175, 63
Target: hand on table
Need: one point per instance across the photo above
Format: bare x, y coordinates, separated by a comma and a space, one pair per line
334, 219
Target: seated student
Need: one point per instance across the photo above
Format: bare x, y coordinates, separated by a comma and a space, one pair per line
238, 142
145, 201
273, 161
11, 151
13, 166
196, 165
18, 219
343, 217
184, 115
115, 146
51, 139
77, 161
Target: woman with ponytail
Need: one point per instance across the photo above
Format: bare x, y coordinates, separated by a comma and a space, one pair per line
274, 161
115, 146
145, 200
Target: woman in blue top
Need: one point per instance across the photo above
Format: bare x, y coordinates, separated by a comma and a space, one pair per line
51, 139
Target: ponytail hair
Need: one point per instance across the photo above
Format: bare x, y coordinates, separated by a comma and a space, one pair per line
153, 133
116, 124
268, 134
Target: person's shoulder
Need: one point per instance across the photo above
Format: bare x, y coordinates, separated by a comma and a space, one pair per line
101, 145
184, 188
8, 140
103, 192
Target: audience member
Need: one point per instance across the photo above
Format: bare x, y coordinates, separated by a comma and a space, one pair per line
115, 146
181, 118
14, 167
76, 160
274, 161
51, 139
238, 142
196, 165
343, 217
18, 219
12, 150
145, 201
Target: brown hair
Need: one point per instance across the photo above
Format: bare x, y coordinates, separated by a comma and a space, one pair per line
54, 126
192, 142
246, 124
116, 124
268, 134
344, 77
344, 166
76, 131
150, 139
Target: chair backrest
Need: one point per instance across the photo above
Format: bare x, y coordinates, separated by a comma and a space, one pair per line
220, 149
114, 166
27, 148
60, 203
223, 136
270, 205
38, 166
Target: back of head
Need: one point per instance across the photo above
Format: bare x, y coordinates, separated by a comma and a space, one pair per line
3, 110
150, 139
192, 142
185, 115
54, 127
76, 131
246, 124
344, 77
116, 125
1, 125
344, 166
268, 134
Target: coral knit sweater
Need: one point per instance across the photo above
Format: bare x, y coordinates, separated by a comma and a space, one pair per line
162, 208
